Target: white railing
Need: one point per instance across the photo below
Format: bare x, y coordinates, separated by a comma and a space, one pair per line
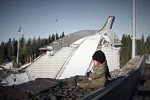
64, 66
48, 66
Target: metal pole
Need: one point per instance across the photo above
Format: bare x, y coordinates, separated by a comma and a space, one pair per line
56, 28
18, 44
133, 28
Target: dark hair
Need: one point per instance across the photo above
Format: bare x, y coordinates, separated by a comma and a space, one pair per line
99, 56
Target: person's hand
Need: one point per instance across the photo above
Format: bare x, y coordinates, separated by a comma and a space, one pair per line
88, 73
89, 78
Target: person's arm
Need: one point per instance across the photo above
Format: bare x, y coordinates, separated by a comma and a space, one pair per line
107, 71
98, 73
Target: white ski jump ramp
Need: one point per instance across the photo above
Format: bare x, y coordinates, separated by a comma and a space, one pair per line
82, 57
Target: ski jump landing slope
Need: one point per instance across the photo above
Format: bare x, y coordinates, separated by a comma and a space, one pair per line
81, 59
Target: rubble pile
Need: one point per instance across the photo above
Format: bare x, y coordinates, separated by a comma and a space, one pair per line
52, 89
62, 91
43, 89
127, 69
37, 86
65, 93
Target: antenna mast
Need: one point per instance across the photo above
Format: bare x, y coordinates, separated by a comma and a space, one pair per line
56, 28
19, 31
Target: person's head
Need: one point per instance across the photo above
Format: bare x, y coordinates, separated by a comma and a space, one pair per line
98, 58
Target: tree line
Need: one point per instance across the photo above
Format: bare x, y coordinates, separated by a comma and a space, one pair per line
142, 47
29, 48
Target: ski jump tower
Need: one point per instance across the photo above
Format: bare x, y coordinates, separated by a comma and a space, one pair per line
76, 58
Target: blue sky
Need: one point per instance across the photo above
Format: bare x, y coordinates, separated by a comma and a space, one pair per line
37, 17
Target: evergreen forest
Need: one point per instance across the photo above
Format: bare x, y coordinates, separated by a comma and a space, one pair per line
29, 48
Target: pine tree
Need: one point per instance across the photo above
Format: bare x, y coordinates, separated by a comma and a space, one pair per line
22, 50
10, 49
125, 52
57, 37
63, 34
50, 39
147, 45
2, 53
29, 50
53, 37
34, 48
